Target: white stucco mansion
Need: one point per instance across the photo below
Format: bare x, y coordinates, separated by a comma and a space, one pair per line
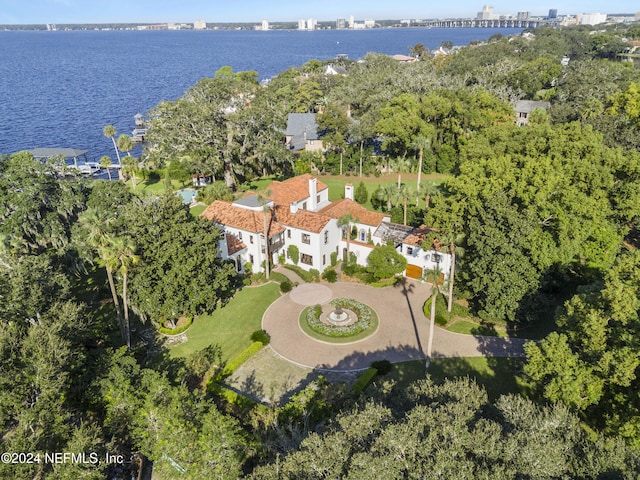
299, 213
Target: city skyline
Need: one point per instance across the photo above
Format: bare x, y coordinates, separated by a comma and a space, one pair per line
187, 11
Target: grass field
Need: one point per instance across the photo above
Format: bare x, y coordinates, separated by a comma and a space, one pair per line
336, 183
498, 375
230, 327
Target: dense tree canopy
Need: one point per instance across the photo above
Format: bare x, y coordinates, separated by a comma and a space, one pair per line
453, 430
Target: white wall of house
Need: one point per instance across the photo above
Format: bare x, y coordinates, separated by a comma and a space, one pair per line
317, 252
427, 259
361, 251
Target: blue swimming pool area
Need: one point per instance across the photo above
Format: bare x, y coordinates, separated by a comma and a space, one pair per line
187, 194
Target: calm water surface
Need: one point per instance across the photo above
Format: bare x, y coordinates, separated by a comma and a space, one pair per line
59, 89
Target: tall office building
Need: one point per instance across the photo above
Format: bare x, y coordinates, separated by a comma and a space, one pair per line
199, 25
352, 22
341, 24
553, 13
312, 23
302, 25
265, 24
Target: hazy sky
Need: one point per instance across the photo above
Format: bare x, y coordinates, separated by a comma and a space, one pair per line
124, 11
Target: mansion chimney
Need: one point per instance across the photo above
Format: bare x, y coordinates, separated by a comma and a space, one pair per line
348, 191
313, 194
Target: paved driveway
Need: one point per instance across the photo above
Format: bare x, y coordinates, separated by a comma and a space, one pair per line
402, 333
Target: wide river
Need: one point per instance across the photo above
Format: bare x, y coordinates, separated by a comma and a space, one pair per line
59, 89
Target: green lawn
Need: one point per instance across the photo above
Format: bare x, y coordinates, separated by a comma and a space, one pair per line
230, 327
197, 210
336, 184
155, 187
497, 375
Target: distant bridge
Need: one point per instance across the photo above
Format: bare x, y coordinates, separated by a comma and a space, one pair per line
476, 23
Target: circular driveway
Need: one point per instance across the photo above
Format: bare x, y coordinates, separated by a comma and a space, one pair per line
402, 333
309, 294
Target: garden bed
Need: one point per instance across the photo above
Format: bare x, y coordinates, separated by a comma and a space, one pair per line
313, 323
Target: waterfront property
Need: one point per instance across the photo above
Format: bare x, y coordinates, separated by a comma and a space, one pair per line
302, 225
70, 156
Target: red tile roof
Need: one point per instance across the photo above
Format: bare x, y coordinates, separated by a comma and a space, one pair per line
229, 215
345, 206
302, 219
292, 190
234, 244
417, 236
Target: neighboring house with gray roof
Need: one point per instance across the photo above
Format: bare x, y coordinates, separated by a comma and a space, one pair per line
302, 133
524, 108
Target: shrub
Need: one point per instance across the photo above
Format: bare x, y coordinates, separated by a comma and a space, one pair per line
176, 331
261, 336
364, 313
442, 316
334, 258
286, 286
382, 366
235, 363
281, 259
278, 277
315, 274
330, 275
364, 380
294, 254
303, 274
248, 268
361, 195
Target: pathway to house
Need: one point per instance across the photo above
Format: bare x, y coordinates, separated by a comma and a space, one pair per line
402, 333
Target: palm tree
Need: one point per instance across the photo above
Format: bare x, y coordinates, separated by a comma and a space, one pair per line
122, 252
403, 192
345, 221
129, 167
387, 192
95, 223
110, 132
421, 143
433, 276
401, 164
126, 145
451, 240
264, 200
429, 189
105, 162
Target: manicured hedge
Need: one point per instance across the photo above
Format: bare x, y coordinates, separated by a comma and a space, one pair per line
364, 313
176, 331
235, 363
303, 274
364, 380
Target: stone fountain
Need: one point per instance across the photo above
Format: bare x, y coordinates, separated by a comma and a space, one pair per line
339, 316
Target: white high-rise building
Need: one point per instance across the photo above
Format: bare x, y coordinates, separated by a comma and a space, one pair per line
265, 24
312, 23
199, 25
369, 23
352, 21
302, 25
487, 14
591, 18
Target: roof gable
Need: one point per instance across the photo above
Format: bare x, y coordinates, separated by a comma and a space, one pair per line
292, 190
229, 215
346, 206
